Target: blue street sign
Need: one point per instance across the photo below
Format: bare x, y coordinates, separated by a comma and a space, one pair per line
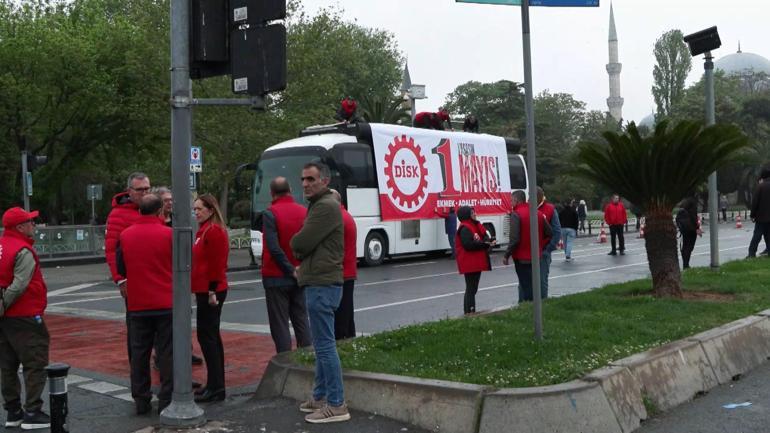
554, 3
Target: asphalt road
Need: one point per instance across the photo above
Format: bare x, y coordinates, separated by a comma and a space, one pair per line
402, 291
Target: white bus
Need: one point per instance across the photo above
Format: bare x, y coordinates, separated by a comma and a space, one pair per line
349, 152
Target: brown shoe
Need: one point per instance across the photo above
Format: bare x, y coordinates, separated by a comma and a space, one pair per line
329, 414
312, 405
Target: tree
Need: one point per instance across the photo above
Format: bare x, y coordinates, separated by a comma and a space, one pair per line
673, 63
656, 173
384, 109
498, 106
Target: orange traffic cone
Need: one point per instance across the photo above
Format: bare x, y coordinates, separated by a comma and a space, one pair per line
602, 236
738, 223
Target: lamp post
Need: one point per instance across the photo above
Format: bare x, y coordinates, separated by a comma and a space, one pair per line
703, 42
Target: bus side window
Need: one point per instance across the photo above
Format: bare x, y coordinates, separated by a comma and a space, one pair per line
355, 162
517, 173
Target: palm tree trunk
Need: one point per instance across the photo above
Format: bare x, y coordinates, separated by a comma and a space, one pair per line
662, 254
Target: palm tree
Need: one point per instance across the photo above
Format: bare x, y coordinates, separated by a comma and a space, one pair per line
384, 109
656, 172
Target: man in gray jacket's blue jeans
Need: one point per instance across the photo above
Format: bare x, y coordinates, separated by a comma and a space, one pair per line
319, 245
553, 219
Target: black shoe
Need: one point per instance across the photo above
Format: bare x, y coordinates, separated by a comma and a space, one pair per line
622, 253
143, 407
14, 418
35, 420
210, 396
197, 360
162, 404
612, 253
197, 385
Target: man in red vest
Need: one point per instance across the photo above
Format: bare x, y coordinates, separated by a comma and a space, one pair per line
23, 335
284, 298
143, 256
615, 217
519, 247
344, 325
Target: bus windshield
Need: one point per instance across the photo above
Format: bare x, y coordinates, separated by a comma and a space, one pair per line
282, 162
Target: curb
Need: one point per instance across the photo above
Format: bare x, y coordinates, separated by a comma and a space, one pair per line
611, 399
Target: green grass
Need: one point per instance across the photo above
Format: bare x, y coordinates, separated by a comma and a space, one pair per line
582, 332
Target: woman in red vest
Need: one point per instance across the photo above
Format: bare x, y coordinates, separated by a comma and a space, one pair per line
472, 243
209, 283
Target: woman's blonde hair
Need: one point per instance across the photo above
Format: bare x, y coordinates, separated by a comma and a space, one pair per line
211, 203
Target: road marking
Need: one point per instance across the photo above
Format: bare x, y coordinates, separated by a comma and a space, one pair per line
85, 300
102, 387
244, 282
73, 379
70, 289
83, 312
406, 265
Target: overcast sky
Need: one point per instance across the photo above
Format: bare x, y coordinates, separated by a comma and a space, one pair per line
450, 43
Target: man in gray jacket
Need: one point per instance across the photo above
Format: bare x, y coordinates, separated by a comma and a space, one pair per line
319, 245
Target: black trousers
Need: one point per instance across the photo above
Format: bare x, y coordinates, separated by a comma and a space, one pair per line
284, 303
616, 231
471, 287
210, 339
148, 331
688, 244
23, 341
761, 230
344, 325
524, 274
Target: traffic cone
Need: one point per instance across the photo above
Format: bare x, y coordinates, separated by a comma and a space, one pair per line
602, 236
738, 223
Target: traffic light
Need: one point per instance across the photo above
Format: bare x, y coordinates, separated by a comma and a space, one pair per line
35, 161
258, 59
209, 29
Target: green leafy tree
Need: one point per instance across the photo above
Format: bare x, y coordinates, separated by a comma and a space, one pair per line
498, 106
384, 109
672, 64
655, 173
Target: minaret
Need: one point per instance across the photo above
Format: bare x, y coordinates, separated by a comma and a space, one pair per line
406, 85
614, 102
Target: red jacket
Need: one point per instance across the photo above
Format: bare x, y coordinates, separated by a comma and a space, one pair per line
615, 214
469, 261
124, 213
209, 260
548, 210
146, 251
522, 251
349, 261
35, 298
289, 218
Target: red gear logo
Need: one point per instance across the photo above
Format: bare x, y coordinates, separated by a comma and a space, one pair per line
406, 201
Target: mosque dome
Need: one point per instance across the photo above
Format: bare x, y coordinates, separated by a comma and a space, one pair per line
648, 121
741, 63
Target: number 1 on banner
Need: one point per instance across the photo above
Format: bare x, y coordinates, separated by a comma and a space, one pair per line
444, 152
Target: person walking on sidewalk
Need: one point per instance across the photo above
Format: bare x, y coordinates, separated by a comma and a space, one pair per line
143, 256
344, 324
552, 240
519, 247
24, 337
209, 283
582, 212
568, 218
473, 244
320, 247
615, 217
283, 297
760, 212
688, 225
723, 203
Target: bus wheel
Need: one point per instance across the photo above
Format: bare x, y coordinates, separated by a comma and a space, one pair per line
374, 249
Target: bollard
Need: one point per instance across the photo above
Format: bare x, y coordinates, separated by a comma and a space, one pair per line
57, 389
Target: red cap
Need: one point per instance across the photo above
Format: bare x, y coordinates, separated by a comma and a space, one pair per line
16, 215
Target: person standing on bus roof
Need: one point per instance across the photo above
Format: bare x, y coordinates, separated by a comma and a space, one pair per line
344, 325
473, 244
320, 246
284, 298
552, 217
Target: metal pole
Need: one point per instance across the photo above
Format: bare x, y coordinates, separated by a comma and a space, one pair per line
531, 172
182, 411
713, 198
93, 208
414, 110
24, 185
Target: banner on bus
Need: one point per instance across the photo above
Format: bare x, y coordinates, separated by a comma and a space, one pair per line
423, 172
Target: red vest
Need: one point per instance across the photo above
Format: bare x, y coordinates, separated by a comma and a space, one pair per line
289, 218
146, 248
209, 260
124, 213
35, 298
471, 261
548, 210
349, 262
523, 249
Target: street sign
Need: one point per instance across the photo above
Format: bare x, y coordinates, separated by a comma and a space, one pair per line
29, 183
94, 191
196, 160
554, 3
193, 181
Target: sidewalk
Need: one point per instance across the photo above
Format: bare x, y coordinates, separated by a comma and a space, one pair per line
239, 260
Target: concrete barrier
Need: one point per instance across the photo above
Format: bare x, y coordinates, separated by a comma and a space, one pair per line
576, 406
624, 394
737, 347
671, 374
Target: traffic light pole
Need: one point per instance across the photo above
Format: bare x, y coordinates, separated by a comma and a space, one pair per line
182, 411
24, 178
